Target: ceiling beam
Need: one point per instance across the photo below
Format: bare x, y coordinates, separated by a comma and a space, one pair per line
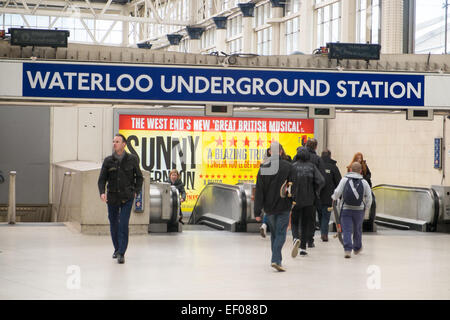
108, 17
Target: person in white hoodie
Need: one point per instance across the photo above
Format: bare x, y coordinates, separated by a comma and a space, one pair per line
356, 199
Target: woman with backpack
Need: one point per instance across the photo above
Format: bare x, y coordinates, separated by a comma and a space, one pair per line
356, 199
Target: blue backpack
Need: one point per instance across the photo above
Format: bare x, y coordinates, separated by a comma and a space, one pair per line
353, 192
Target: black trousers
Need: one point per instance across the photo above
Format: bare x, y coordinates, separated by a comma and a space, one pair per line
303, 224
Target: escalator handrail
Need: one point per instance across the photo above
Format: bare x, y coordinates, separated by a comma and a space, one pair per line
175, 204
243, 221
433, 226
379, 186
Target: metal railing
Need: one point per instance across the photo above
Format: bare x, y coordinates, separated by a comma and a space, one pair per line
12, 198
59, 215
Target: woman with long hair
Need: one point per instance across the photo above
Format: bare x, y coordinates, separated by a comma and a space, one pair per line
358, 157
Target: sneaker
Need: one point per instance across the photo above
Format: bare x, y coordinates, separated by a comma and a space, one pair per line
278, 267
263, 230
324, 238
115, 254
303, 252
295, 248
347, 254
357, 251
120, 258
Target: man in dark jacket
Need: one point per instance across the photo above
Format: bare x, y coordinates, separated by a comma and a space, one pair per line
124, 177
332, 178
272, 175
311, 146
307, 182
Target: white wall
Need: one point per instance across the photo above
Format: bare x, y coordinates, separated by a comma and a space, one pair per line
397, 151
64, 133
82, 133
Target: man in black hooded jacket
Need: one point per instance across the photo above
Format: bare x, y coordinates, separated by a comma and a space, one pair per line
272, 175
332, 178
311, 146
307, 182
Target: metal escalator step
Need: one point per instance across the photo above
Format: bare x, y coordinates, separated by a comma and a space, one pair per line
392, 225
212, 224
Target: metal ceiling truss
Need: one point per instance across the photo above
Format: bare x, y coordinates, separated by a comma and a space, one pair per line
141, 11
148, 20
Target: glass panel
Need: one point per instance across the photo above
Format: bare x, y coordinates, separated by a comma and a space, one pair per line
362, 27
43, 22
335, 30
375, 21
326, 13
336, 10
296, 7
17, 21
430, 27
288, 26
326, 33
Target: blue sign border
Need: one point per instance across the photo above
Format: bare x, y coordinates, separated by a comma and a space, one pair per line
67, 85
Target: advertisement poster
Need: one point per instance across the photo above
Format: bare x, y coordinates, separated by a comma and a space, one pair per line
208, 149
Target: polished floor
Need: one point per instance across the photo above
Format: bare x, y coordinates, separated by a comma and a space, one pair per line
45, 261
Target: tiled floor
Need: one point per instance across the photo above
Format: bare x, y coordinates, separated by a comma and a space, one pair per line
42, 262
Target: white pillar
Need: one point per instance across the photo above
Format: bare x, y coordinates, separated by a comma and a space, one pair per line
194, 46
392, 26
307, 27
193, 10
125, 30
247, 35
221, 40
348, 22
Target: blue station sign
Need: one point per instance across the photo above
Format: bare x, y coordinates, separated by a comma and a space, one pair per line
212, 84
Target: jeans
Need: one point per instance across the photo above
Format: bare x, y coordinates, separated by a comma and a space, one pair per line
351, 222
325, 220
264, 219
303, 219
278, 224
119, 217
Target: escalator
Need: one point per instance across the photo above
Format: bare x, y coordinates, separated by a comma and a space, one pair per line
225, 207
408, 208
164, 207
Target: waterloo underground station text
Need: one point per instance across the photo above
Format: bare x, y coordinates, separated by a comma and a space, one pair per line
222, 85
256, 86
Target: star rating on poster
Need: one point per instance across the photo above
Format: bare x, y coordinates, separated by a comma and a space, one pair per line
233, 142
